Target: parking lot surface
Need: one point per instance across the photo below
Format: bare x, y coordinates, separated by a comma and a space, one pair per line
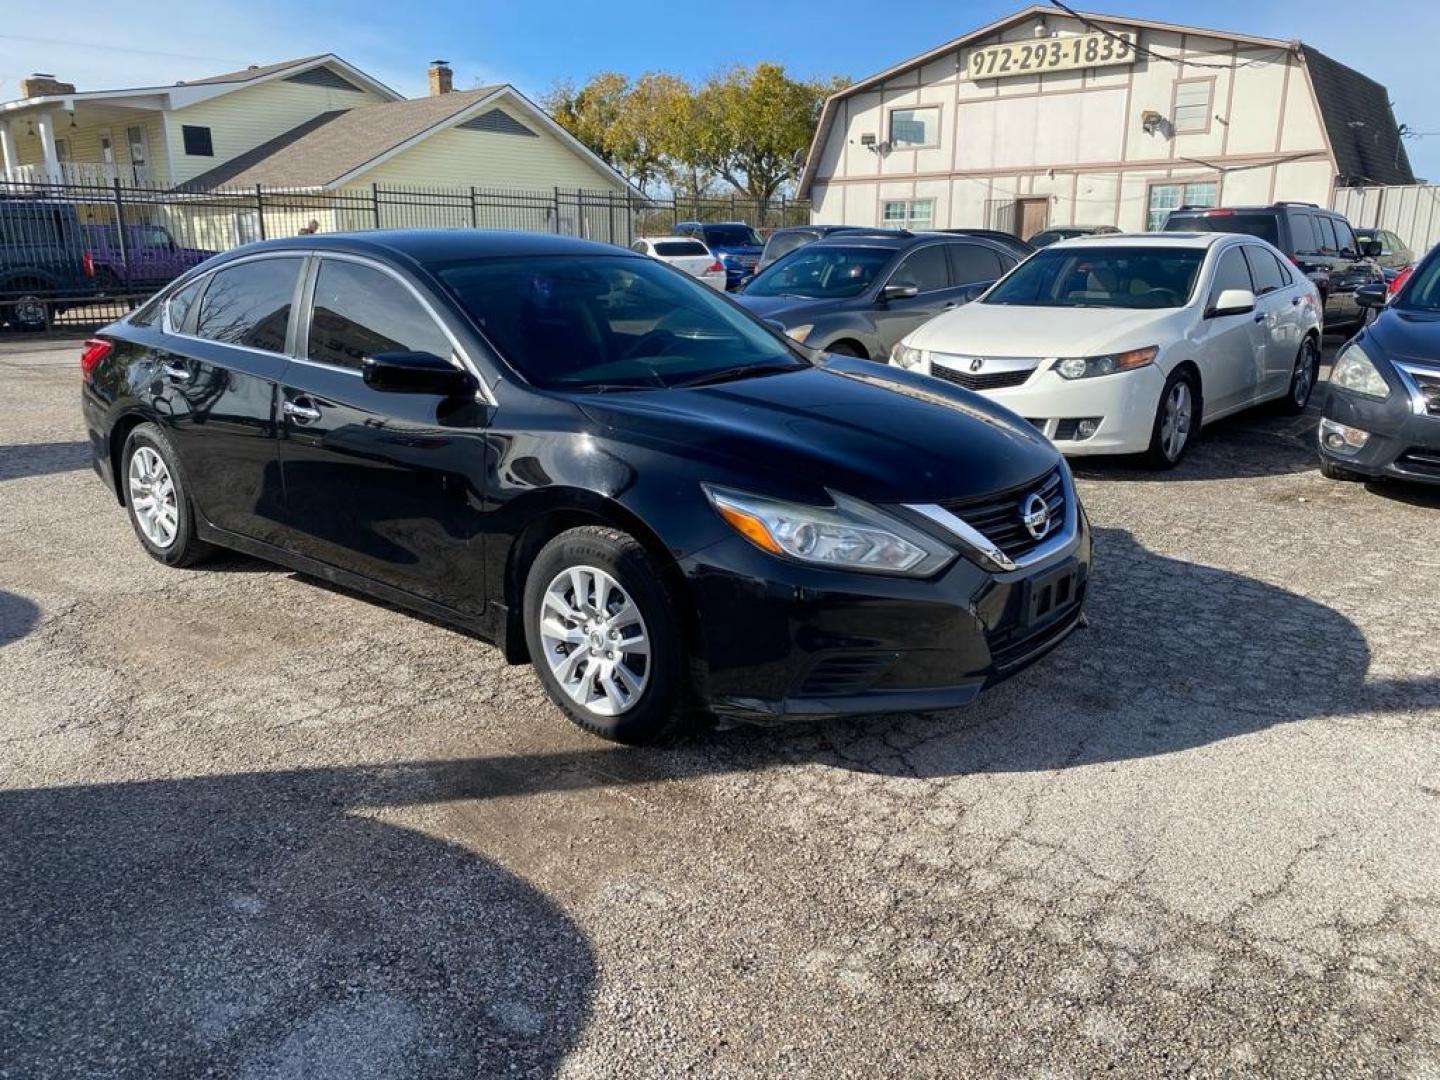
254, 825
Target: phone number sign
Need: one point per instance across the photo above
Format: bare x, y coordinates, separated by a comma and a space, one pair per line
1051, 54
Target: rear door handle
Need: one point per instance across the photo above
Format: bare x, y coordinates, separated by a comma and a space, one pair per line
176, 372
302, 414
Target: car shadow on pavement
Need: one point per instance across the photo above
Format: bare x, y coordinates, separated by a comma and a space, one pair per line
18, 616
43, 459
251, 925
1255, 443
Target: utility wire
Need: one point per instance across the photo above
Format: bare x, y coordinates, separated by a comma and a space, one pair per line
1151, 54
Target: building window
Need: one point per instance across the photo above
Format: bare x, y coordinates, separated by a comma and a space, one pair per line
197, 141
914, 129
1192, 106
908, 213
1167, 197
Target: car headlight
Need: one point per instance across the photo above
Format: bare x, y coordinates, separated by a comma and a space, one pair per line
850, 535
800, 333
1087, 367
1354, 371
906, 357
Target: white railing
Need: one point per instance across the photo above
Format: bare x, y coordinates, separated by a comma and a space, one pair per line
81, 172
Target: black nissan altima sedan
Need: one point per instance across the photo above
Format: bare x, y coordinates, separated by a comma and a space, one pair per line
599, 464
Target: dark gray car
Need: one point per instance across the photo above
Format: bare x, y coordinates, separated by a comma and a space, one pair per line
859, 294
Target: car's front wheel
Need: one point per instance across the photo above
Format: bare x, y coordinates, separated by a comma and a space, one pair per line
604, 636
1303, 378
1177, 418
155, 496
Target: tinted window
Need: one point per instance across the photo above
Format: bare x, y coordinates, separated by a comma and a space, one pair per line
1264, 270
924, 268
360, 311
197, 140
1422, 291
1303, 228
578, 322
640, 246
681, 247
250, 304
1326, 230
1345, 238
731, 236
178, 306
974, 264
1102, 277
1261, 225
784, 243
1231, 272
821, 273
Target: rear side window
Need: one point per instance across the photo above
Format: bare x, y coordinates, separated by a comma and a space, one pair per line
1302, 226
1231, 272
681, 247
1328, 244
250, 304
179, 304
974, 264
925, 268
360, 311
1264, 270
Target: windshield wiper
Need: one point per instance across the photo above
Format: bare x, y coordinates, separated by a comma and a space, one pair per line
741, 371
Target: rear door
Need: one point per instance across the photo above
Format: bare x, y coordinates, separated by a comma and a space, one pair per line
1232, 356
1277, 303
383, 484
974, 268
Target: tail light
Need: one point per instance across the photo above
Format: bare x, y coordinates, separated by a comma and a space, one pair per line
87, 261
1400, 279
717, 267
96, 350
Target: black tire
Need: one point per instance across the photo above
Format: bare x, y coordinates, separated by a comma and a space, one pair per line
1331, 471
847, 348
1302, 379
662, 705
29, 313
186, 548
1159, 455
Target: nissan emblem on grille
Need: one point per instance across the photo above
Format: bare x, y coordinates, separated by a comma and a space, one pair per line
1035, 513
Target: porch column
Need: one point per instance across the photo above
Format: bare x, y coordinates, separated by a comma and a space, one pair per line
45, 128
7, 148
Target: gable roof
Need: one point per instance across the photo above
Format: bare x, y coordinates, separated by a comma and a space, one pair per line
330, 148
1359, 122
254, 71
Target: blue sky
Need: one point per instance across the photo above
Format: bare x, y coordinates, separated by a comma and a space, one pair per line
532, 43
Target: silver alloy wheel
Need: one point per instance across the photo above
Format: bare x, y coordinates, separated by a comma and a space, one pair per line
1305, 373
1175, 425
152, 497
595, 640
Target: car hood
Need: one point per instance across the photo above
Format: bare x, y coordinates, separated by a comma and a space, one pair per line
1406, 335
1010, 330
788, 310
874, 432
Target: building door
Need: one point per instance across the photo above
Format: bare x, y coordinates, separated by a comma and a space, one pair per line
1031, 215
139, 154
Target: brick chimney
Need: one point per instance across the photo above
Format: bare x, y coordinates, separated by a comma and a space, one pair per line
42, 85
441, 78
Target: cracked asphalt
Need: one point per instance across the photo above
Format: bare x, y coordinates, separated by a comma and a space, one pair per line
253, 826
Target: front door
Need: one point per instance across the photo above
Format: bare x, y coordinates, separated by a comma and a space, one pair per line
384, 484
928, 270
1232, 353
1032, 216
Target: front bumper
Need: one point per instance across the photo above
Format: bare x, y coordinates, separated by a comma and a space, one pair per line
782, 641
1404, 442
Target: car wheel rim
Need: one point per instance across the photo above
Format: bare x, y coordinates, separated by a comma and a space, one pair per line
29, 309
595, 641
1305, 374
1175, 425
152, 497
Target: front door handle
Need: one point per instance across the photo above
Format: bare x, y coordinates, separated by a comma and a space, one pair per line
302, 414
1259, 318
176, 372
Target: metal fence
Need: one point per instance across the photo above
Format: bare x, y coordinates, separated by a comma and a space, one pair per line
83, 254
1412, 212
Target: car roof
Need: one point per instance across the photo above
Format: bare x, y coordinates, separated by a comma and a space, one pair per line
442, 245
1161, 240
898, 239
667, 239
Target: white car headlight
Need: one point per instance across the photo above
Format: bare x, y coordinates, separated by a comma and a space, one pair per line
850, 535
1087, 367
1354, 371
800, 333
906, 357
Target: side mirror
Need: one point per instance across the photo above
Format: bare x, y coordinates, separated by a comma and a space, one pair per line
1371, 295
1232, 302
1372, 249
415, 373
899, 291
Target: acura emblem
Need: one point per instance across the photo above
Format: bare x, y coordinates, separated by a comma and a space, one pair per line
977, 363
1035, 513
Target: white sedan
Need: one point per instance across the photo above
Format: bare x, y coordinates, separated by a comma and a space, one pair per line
1128, 344
684, 253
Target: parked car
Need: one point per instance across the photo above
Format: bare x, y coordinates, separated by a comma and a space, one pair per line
1381, 411
1320, 242
735, 243
1128, 344
783, 241
1394, 255
684, 253
148, 258
44, 265
597, 463
857, 294
1046, 237
1019, 248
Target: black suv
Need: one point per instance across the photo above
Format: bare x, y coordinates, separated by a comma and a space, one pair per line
1319, 241
858, 294
43, 261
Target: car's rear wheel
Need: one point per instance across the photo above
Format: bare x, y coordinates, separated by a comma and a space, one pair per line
1177, 418
156, 499
28, 313
604, 635
1303, 378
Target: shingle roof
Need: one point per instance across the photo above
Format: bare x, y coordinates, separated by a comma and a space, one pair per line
330, 145
1360, 123
254, 71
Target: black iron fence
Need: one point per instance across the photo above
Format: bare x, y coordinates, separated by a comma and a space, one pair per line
83, 254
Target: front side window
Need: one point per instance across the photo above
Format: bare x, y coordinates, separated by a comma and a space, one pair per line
1345, 238
360, 311
914, 129
250, 304
908, 213
1231, 272
821, 273
1264, 269
568, 322
1167, 197
1118, 277
1192, 105
925, 268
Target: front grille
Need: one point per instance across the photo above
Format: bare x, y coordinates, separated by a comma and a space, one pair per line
1420, 460
845, 674
987, 380
1000, 517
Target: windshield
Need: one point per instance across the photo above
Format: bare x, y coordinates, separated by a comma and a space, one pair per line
731, 236
1103, 277
1422, 291
1261, 225
578, 322
821, 273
